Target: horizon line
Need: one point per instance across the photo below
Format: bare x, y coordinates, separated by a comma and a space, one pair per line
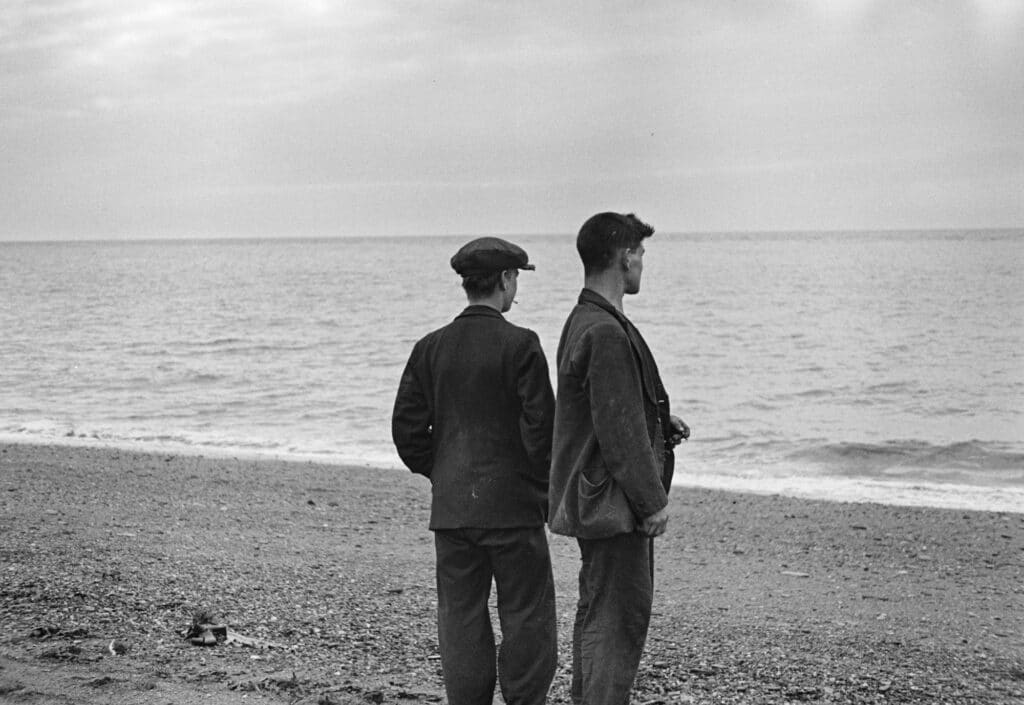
400, 236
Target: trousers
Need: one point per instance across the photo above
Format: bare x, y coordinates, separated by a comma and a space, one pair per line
612, 617
520, 565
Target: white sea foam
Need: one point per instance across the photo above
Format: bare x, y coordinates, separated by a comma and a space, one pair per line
843, 489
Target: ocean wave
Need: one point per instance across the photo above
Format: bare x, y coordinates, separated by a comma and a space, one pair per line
204, 377
217, 342
973, 455
242, 347
887, 473
907, 494
48, 431
812, 394
47, 428
891, 388
362, 454
759, 405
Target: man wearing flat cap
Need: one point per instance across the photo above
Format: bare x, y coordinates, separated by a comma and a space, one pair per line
474, 414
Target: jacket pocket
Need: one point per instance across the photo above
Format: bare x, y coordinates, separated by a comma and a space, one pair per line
603, 508
593, 481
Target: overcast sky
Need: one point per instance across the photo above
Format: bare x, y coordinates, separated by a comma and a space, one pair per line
216, 118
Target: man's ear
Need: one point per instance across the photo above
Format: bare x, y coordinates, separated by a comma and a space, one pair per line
624, 259
501, 280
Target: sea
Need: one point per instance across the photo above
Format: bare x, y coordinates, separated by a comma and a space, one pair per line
848, 366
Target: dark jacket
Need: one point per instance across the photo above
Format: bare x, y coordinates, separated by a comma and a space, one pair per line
474, 413
609, 467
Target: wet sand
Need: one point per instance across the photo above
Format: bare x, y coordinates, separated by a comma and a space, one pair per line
327, 573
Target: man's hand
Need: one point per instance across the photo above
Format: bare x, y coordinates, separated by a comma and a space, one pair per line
654, 525
680, 431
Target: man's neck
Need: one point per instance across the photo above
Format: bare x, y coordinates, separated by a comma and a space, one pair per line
609, 287
495, 301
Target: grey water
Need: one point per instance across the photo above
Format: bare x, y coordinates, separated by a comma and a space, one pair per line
882, 366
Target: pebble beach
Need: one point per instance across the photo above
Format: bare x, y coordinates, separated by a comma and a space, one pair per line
325, 576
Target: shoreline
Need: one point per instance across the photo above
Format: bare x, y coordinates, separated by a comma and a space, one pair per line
758, 598
900, 493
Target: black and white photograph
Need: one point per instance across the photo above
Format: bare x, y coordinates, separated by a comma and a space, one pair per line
366, 352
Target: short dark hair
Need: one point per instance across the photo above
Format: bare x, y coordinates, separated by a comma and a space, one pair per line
478, 286
606, 233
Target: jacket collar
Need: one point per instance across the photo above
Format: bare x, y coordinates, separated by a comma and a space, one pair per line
589, 296
480, 310
648, 368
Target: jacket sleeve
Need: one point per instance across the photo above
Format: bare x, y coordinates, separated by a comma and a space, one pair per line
616, 395
537, 400
412, 422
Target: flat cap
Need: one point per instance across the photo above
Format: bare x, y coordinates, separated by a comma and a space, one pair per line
489, 254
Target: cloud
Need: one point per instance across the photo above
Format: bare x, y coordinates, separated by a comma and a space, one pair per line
158, 54
216, 112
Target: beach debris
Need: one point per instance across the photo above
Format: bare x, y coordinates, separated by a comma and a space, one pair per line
47, 632
206, 630
117, 648
278, 682
206, 634
44, 632
234, 637
803, 693
66, 652
796, 574
421, 693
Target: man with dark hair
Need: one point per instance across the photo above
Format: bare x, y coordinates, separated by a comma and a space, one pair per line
474, 414
612, 461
